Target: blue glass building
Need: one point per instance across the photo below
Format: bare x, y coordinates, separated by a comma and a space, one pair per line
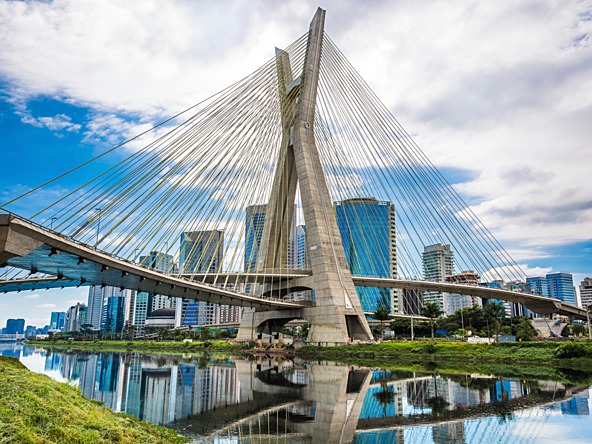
561, 287
538, 285
15, 327
115, 314
202, 251
367, 228
57, 320
254, 223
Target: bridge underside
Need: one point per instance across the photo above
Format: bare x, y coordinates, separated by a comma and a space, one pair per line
28, 247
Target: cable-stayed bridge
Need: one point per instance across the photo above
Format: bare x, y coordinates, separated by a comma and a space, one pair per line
293, 193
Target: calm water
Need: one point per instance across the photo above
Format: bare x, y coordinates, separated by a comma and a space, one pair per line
236, 400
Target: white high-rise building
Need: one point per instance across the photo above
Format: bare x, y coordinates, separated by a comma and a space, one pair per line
142, 304
438, 262
586, 292
452, 301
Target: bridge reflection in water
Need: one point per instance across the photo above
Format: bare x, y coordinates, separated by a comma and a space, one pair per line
239, 400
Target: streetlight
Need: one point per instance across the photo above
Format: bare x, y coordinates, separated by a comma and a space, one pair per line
588, 308
98, 225
462, 320
52, 220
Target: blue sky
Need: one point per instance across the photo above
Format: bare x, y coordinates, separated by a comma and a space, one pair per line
498, 94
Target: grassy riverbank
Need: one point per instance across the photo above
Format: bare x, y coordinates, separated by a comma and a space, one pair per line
528, 359
144, 346
36, 409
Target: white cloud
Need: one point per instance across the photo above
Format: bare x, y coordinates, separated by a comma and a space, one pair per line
31, 296
56, 123
47, 305
509, 273
502, 89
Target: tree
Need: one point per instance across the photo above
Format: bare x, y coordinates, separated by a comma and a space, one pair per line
433, 311
131, 330
382, 314
525, 331
205, 334
578, 329
304, 330
493, 312
85, 329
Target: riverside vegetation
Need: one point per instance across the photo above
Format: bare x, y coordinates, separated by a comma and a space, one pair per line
36, 409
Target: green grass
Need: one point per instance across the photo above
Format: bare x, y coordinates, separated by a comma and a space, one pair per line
36, 409
145, 346
532, 359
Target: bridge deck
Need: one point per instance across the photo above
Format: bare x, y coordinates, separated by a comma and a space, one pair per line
76, 264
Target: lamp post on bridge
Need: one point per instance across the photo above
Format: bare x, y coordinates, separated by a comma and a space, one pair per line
52, 220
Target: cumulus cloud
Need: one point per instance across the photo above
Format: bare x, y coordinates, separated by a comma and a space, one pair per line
510, 273
31, 296
500, 89
47, 305
56, 123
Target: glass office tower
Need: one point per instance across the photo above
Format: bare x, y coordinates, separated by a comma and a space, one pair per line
367, 228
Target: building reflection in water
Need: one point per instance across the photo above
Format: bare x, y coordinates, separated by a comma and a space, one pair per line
306, 402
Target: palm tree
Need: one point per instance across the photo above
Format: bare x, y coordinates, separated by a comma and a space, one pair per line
433, 311
131, 330
382, 314
494, 311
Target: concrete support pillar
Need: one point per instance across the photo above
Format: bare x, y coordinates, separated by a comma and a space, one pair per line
337, 316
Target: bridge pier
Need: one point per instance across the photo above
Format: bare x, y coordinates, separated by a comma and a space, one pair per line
327, 325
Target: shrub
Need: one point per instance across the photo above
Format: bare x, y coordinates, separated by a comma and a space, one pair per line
572, 350
429, 348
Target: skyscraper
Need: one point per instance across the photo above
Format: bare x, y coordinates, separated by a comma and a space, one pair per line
202, 252
57, 320
538, 285
142, 304
75, 317
367, 228
15, 326
254, 224
438, 262
159, 261
453, 302
302, 259
586, 292
97, 297
561, 287
114, 314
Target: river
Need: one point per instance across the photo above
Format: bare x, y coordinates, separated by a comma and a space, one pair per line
238, 400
